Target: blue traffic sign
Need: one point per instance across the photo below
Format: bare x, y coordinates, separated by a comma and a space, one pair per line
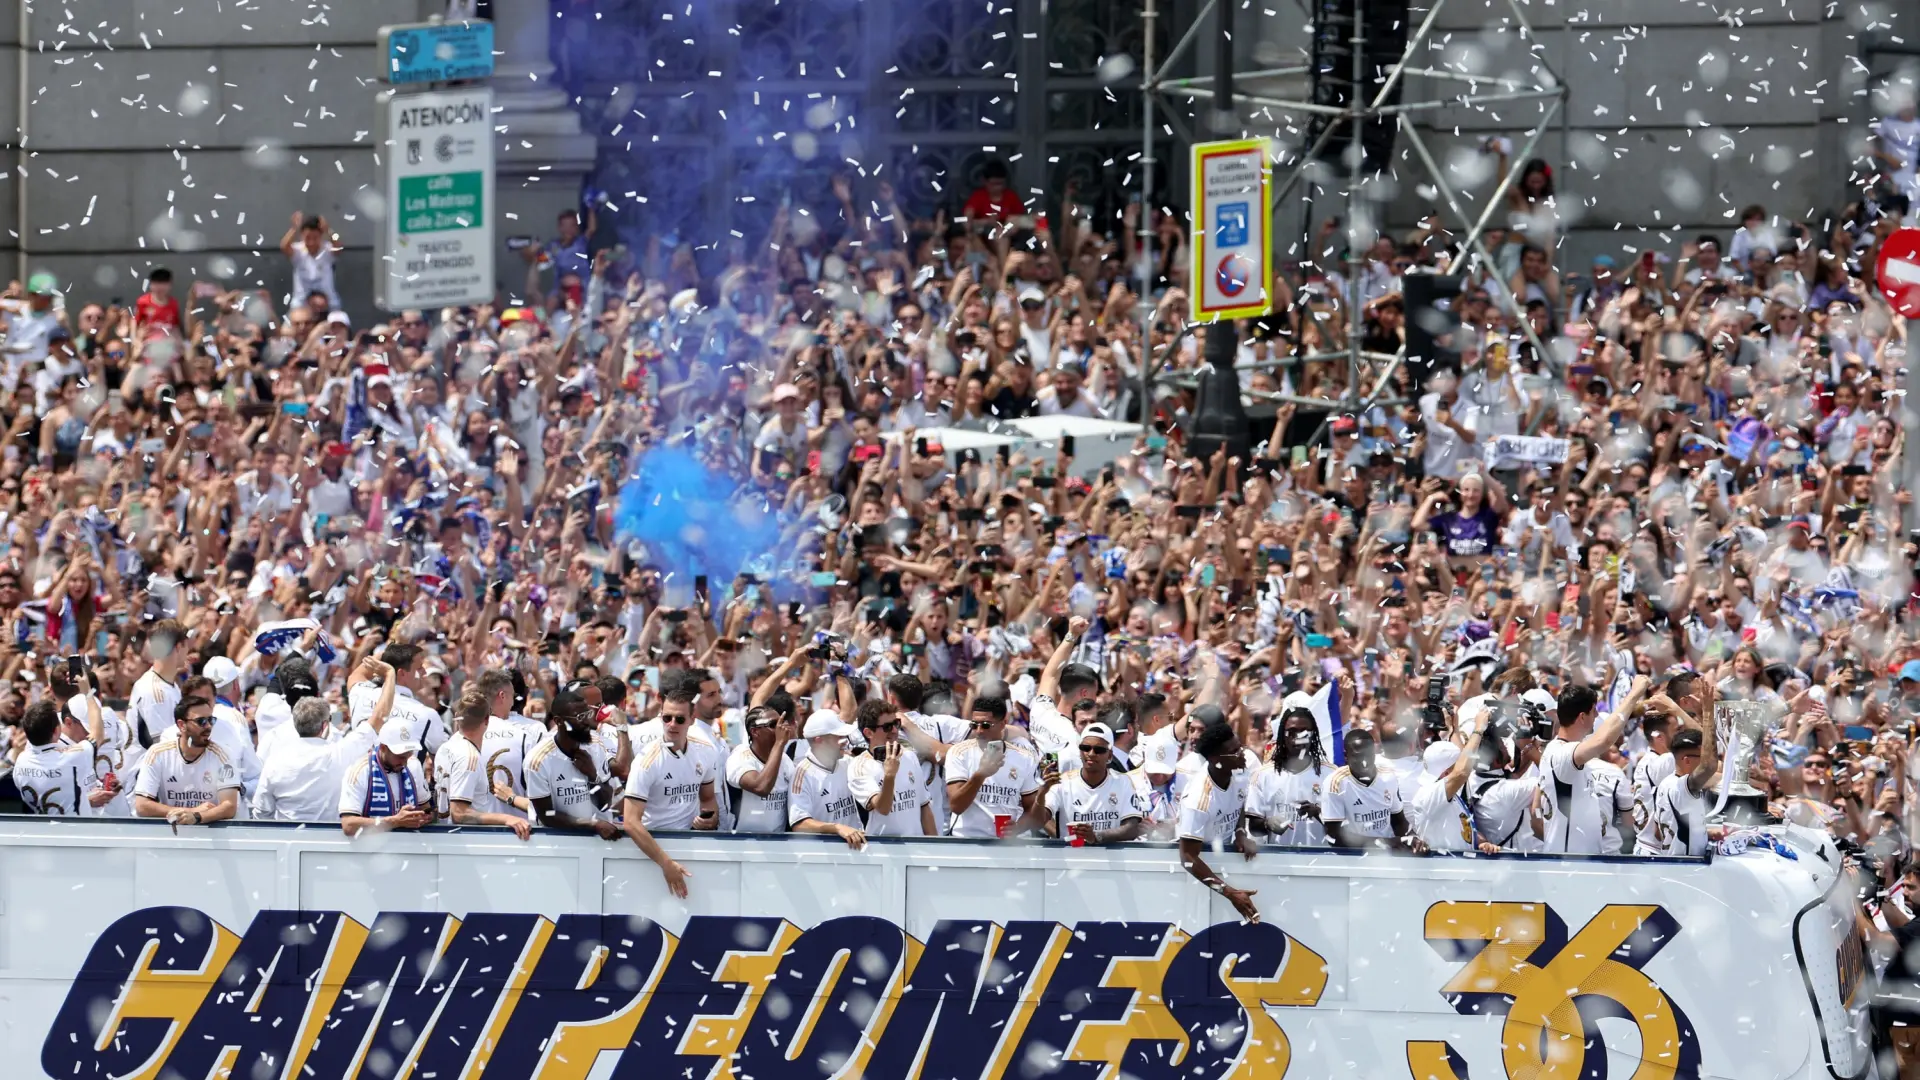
437, 52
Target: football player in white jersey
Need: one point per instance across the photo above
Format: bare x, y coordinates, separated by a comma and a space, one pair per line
188, 779
1361, 804
890, 780
821, 801
1213, 814
461, 770
56, 779
760, 774
1677, 824
570, 776
670, 787
1283, 796
1093, 805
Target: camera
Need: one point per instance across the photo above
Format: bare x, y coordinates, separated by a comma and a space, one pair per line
1518, 720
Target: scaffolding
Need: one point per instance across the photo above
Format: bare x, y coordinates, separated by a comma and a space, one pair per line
1369, 373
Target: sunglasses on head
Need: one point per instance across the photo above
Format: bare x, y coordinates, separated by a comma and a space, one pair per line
1093, 748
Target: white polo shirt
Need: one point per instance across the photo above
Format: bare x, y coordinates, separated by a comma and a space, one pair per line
1105, 807
912, 789
999, 795
667, 783
757, 813
168, 778
299, 781
551, 774
821, 794
1211, 814
1276, 796
1368, 809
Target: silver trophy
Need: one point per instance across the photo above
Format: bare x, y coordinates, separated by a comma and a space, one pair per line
1740, 727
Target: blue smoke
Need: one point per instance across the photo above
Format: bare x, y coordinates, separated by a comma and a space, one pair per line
686, 515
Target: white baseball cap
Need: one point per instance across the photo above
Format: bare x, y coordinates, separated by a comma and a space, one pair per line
1546, 701
396, 738
1439, 757
221, 671
826, 722
1098, 731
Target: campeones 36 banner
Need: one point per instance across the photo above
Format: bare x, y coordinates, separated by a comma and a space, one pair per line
166, 993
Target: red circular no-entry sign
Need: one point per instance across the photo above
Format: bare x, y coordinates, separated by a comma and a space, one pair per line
1898, 272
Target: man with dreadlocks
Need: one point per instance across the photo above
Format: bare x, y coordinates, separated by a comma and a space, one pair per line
1284, 795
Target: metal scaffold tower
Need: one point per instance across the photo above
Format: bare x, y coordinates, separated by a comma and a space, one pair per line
1368, 92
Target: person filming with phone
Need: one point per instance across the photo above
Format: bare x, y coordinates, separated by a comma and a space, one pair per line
991, 783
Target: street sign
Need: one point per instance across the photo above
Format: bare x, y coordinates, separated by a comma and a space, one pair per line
1898, 271
437, 173
1232, 248
436, 52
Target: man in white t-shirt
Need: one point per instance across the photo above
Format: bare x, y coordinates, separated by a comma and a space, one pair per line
991, 782
188, 779
384, 789
1213, 813
1677, 824
670, 787
820, 800
759, 773
56, 779
571, 778
1361, 804
1573, 814
300, 776
1093, 805
463, 788
784, 435
889, 781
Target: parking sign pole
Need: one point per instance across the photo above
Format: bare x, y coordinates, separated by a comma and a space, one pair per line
436, 165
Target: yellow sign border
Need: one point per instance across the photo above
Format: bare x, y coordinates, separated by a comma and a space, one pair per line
1197, 232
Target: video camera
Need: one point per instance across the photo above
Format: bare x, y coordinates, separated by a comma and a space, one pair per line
1518, 720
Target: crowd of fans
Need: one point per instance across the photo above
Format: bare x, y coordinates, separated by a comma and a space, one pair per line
260, 562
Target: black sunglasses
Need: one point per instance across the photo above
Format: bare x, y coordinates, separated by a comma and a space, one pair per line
1093, 748
891, 725
981, 725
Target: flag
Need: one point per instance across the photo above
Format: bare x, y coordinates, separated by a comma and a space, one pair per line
1326, 713
277, 637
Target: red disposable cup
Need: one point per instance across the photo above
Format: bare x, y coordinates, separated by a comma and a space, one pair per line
1001, 822
1074, 839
